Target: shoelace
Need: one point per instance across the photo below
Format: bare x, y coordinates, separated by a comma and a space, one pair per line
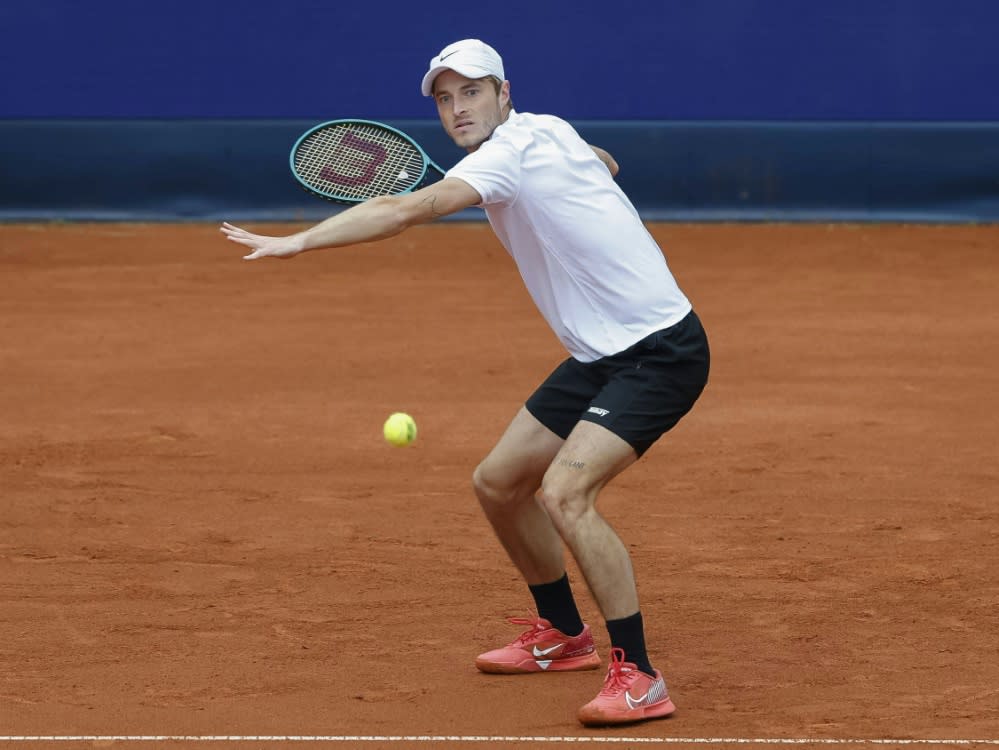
618, 675
536, 626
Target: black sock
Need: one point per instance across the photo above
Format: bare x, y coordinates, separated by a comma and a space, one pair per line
628, 634
555, 603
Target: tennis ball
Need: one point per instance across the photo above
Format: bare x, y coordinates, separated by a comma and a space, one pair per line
400, 429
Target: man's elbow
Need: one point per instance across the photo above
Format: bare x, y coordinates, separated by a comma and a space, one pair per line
607, 160
396, 214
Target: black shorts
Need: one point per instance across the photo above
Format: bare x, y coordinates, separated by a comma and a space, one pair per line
637, 394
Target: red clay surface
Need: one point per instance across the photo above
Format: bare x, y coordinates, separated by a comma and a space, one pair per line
202, 531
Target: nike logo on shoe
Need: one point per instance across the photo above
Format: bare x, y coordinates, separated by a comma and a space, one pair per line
655, 692
635, 702
538, 652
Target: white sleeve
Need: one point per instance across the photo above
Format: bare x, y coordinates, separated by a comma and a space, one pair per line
493, 170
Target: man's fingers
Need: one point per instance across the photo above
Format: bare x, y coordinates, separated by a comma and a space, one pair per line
241, 237
233, 232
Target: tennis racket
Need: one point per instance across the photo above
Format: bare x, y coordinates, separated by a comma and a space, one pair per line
350, 161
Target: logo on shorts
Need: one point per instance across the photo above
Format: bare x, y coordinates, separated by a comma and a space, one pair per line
598, 411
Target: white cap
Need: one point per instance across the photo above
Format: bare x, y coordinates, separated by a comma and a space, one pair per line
469, 57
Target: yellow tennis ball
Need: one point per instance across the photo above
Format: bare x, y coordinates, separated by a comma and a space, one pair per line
400, 429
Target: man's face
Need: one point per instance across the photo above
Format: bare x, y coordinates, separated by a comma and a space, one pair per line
470, 109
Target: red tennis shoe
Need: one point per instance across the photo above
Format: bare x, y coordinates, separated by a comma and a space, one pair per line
628, 695
542, 648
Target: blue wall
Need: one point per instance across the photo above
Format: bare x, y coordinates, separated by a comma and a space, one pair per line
580, 59
715, 109
690, 171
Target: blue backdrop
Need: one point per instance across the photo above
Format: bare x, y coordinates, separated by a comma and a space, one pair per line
715, 109
581, 59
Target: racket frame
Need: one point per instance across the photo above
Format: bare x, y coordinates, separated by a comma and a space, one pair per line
428, 163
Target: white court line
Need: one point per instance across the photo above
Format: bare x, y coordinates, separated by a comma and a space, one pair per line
488, 738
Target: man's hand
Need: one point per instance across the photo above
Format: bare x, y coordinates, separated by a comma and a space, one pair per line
278, 247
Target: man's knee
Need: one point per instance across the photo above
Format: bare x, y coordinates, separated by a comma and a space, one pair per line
491, 487
566, 505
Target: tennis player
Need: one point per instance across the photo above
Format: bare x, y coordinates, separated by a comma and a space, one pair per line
638, 360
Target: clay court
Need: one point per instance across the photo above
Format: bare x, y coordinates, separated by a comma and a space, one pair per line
203, 532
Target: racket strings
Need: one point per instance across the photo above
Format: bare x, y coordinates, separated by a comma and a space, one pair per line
356, 161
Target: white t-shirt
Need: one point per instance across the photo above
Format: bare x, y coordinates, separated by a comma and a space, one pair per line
594, 271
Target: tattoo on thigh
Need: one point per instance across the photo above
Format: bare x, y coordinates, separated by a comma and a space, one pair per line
572, 463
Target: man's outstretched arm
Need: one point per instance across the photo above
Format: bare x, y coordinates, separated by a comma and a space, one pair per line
375, 219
